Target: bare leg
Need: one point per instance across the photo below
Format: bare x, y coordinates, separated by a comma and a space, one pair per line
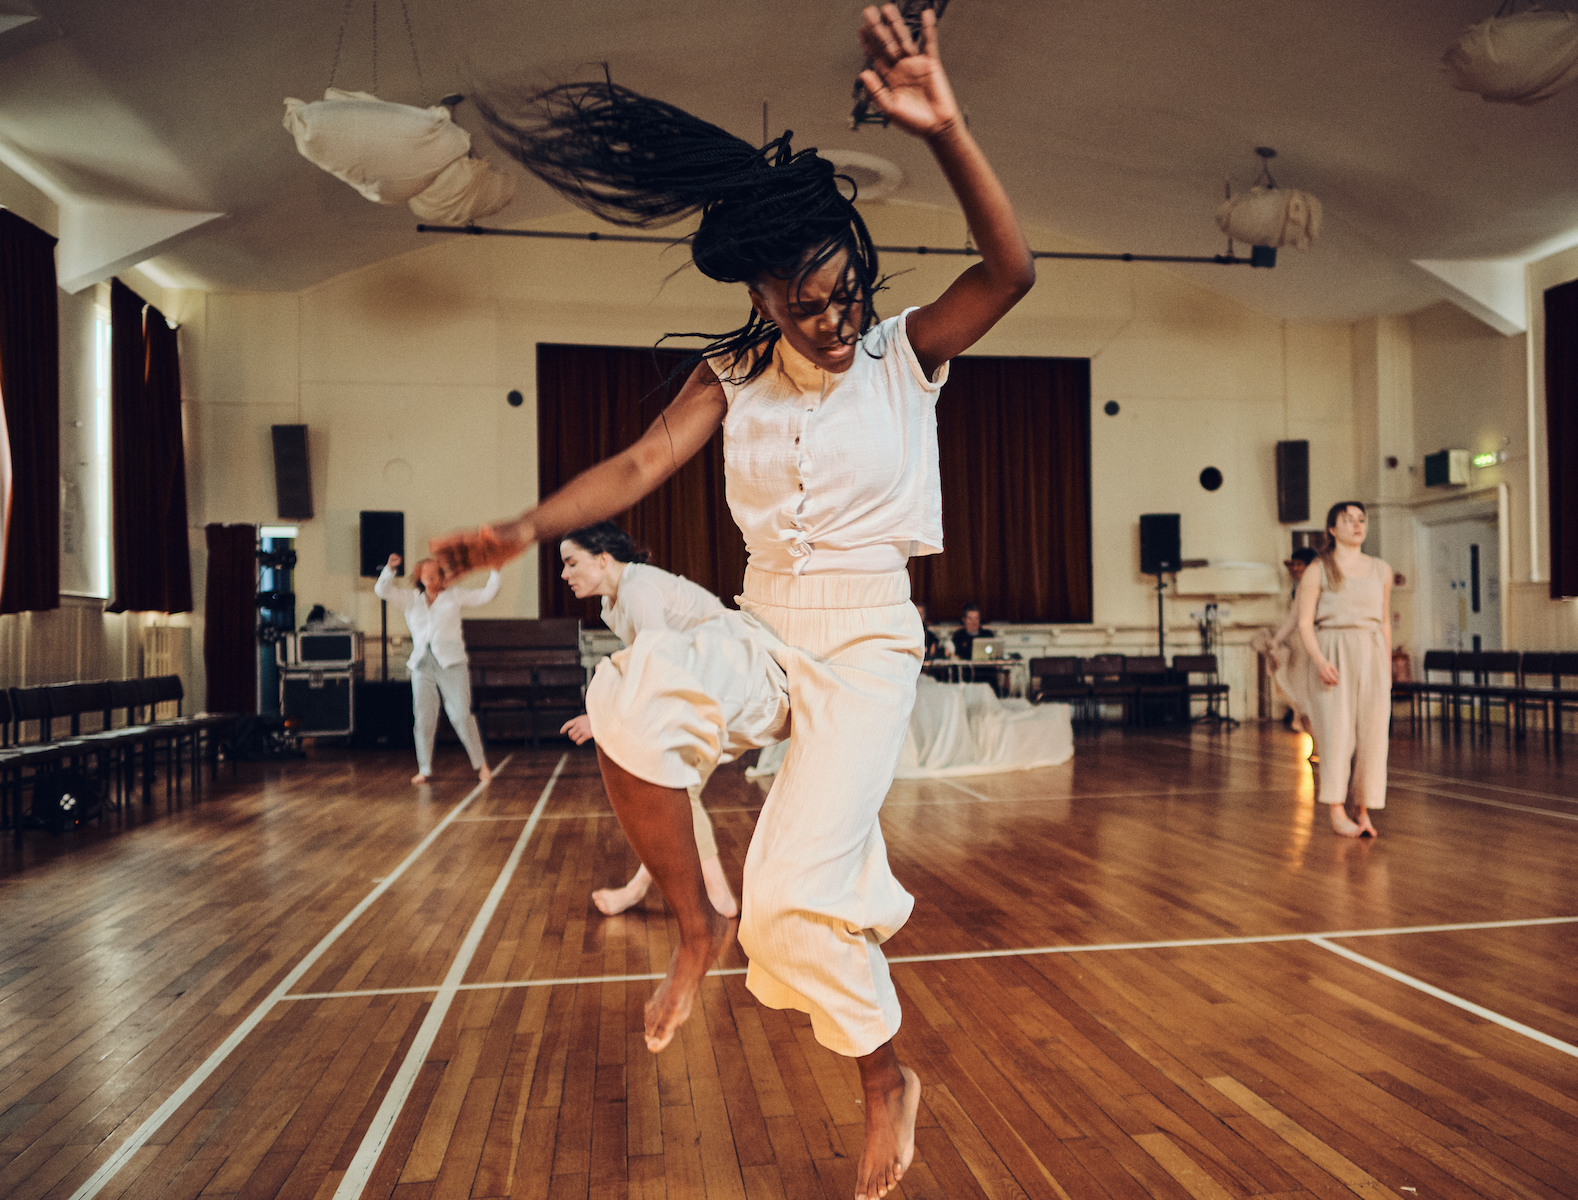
658, 823
892, 1098
718, 889
613, 901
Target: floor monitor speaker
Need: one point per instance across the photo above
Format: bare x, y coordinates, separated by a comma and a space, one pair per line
292, 479
383, 534
1293, 482
1159, 543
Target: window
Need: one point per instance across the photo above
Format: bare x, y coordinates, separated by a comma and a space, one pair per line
85, 447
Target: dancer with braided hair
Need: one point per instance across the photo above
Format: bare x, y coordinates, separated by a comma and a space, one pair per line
830, 452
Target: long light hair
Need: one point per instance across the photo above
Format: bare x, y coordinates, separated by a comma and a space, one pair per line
1328, 554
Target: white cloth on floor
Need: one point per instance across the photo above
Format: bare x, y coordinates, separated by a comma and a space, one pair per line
965, 729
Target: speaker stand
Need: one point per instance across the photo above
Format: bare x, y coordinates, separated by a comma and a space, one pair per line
383, 641
1161, 628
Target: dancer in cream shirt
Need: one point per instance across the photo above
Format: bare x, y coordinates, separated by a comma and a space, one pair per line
602, 560
830, 456
438, 657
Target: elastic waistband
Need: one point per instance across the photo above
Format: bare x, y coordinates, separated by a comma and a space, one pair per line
1374, 627
826, 591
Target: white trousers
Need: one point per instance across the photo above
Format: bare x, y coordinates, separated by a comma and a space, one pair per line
836, 658
429, 681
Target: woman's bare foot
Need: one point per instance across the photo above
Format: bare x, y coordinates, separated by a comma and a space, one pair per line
1342, 824
484, 774
890, 1129
613, 901
420, 778
718, 890
1366, 828
670, 1004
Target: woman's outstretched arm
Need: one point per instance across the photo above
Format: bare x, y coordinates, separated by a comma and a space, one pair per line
909, 85
598, 492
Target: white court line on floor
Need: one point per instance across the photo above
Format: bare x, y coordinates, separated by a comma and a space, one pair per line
1544, 1039
377, 1135
1397, 780
112, 1165
1405, 773
1011, 952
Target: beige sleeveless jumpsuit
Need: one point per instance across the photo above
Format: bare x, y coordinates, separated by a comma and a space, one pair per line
1351, 721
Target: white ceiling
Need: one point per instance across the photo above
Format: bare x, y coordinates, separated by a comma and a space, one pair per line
1114, 124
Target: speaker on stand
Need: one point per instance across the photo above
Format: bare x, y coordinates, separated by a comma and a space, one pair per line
1159, 555
382, 534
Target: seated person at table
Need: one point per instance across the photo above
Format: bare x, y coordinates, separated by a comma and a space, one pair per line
933, 642
964, 637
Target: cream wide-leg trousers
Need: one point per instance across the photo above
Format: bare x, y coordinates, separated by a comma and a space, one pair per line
836, 657
1351, 722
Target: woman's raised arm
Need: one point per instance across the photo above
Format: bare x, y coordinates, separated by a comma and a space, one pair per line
601, 491
908, 84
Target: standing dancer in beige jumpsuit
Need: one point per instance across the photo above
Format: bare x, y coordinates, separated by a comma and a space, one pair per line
1345, 603
830, 456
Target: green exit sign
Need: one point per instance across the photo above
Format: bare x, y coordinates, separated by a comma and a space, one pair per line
1484, 460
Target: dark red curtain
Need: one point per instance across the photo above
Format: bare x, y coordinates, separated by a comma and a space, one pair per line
1014, 447
1561, 434
230, 646
30, 391
153, 567
593, 401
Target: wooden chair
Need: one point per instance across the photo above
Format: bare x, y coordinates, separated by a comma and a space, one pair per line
1108, 682
525, 670
1216, 694
1059, 679
1153, 684
1437, 663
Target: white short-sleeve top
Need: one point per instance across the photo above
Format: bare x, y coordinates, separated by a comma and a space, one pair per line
652, 598
836, 473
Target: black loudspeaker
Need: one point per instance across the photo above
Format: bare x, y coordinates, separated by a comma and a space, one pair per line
383, 534
292, 479
1293, 482
1159, 543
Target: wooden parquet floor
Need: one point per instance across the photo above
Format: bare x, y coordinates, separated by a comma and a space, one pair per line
1152, 972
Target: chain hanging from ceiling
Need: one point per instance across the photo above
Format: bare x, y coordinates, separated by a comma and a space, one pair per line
410, 39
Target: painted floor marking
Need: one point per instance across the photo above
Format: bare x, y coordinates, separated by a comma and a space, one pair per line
377, 1135
1544, 1039
960, 955
112, 1165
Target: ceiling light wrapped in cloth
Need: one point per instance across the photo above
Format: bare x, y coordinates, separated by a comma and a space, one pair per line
1521, 58
1271, 216
396, 153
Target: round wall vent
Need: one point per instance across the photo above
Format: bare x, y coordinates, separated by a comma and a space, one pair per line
877, 178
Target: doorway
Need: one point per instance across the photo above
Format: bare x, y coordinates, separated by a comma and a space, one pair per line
1465, 584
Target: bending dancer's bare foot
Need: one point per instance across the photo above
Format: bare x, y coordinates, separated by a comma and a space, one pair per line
890, 1132
1342, 824
718, 890
484, 774
420, 778
1366, 827
670, 1004
613, 901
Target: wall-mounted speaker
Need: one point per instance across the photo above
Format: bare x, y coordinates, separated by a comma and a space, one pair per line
292, 478
1159, 543
1293, 482
383, 534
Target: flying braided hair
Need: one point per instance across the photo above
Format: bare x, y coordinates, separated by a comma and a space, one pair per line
641, 163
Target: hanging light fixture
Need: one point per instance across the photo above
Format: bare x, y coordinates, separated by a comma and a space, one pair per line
1515, 57
397, 153
1267, 215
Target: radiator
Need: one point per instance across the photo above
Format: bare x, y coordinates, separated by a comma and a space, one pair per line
163, 653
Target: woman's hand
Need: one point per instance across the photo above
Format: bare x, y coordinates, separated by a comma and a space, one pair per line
394, 561
490, 546
579, 729
905, 81
1328, 674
